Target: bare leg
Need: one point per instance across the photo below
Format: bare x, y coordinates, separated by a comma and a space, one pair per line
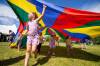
28, 52
53, 51
81, 46
34, 50
85, 46
49, 52
19, 45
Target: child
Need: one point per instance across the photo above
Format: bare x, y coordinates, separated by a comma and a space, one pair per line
83, 43
32, 34
40, 43
19, 41
68, 44
11, 36
57, 40
52, 45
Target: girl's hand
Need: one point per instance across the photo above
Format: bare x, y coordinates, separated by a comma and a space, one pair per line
24, 32
44, 6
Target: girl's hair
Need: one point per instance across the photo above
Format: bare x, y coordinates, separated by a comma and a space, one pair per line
10, 30
35, 15
52, 35
40, 33
67, 37
31, 14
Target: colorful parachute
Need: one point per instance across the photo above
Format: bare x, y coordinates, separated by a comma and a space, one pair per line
65, 21
50, 31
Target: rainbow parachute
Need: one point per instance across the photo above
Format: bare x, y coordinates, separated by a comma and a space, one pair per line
64, 21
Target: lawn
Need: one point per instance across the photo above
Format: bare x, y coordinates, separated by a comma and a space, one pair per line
86, 57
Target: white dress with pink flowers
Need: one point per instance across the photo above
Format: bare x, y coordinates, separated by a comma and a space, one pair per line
33, 37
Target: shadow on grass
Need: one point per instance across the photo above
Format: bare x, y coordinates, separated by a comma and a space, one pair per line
11, 61
76, 53
42, 61
61, 52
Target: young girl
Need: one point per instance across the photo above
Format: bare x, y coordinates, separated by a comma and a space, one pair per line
11, 37
41, 40
19, 41
83, 43
57, 40
32, 34
52, 45
68, 44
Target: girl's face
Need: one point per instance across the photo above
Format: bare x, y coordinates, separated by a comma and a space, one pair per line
53, 36
32, 17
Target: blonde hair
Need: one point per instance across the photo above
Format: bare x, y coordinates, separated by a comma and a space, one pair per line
31, 14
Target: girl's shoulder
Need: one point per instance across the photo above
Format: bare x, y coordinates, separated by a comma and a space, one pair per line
33, 21
28, 22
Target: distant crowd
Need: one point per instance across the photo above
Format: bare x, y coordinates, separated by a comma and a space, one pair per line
7, 37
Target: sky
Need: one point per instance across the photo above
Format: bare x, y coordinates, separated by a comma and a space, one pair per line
9, 21
88, 5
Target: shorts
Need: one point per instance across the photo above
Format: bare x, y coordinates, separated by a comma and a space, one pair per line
33, 40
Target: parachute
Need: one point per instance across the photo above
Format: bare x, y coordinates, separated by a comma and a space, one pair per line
62, 20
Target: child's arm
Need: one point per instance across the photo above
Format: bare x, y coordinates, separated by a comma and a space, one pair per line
43, 39
44, 8
25, 31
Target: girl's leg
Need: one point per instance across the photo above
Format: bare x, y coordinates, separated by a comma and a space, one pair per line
49, 51
84, 46
28, 52
81, 45
53, 51
34, 50
19, 45
39, 48
66, 48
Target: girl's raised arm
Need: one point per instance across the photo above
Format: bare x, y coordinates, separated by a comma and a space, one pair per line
40, 17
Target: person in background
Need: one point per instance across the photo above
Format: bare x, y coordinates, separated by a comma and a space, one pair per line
52, 45
57, 40
11, 36
41, 40
0, 36
19, 40
68, 44
83, 43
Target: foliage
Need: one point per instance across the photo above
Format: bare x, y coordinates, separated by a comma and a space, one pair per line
97, 40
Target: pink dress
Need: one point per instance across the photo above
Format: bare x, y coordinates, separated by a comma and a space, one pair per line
33, 37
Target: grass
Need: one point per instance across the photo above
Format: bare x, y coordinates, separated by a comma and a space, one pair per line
87, 57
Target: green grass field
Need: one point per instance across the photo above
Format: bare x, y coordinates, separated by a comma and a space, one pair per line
87, 57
